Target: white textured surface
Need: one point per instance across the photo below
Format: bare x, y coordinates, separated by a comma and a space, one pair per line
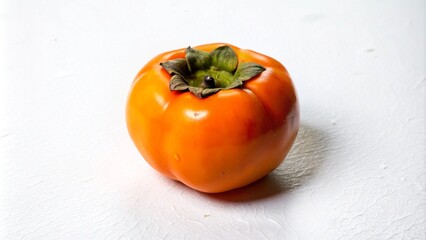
68, 169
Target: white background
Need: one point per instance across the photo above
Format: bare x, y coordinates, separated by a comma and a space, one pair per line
68, 169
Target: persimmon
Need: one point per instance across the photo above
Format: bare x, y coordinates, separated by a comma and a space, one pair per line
214, 117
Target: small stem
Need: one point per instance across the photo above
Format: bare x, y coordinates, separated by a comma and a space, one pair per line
209, 81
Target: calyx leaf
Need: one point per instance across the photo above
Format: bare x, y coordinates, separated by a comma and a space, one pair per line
197, 59
203, 92
209, 91
236, 83
248, 70
176, 66
178, 83
224, 58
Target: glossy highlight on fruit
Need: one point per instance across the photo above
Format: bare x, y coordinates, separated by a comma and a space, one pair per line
214, 117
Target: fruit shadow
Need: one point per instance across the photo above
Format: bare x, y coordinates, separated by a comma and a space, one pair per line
303, 161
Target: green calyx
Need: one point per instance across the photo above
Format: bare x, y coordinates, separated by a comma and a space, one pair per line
204, 73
